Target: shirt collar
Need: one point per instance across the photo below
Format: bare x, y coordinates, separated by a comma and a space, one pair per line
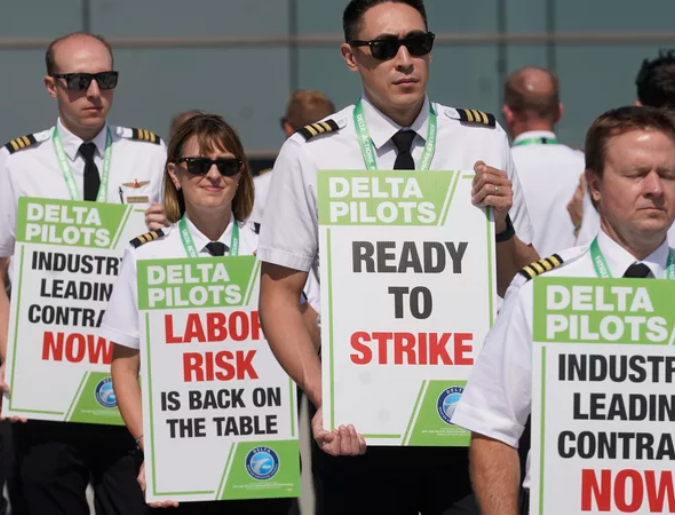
382, 128
619, 259
202, 241
71, 142
534, 134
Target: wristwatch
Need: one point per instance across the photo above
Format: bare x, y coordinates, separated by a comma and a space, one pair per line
507, 233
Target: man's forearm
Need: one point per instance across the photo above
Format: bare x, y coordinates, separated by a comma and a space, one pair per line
495, 475
289, 338
512, 255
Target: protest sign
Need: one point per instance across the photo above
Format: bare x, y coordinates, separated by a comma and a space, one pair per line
219, 412
408, 295
65, 264
603, 408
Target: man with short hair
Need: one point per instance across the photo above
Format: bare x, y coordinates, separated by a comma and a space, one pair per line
630, 170
81, 158
304, 107
549, 171
181, 118
388, 43
655, 85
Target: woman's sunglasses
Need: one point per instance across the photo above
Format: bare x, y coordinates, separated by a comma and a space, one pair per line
227, 167
81, 81
386, 48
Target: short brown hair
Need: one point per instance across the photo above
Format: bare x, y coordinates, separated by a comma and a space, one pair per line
306, 106
50, 55
177, 120
528, 104
621, 121
212, 132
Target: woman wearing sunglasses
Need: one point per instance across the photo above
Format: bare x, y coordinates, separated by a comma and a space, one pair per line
208, 194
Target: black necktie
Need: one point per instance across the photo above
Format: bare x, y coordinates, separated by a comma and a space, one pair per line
92, 181
403, 141
638, 271
217, 248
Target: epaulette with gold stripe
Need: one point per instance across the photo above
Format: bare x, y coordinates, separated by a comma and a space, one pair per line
539, 267
314, 129
476, 116
145, 135
145, 238
20, 143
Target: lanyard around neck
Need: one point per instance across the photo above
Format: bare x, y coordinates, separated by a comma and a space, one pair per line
368, 149
537, 141
602, 268
67, 171
189, 245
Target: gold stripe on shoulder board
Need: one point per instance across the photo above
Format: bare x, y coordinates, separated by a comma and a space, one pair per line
147, 237
542, 266
314, 129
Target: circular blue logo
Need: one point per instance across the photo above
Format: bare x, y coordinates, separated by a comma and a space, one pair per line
447, 402
105, 395
262, 463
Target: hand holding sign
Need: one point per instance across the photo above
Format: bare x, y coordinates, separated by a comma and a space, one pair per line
343, 441
492, 188
155, 217
4, 388
161, 504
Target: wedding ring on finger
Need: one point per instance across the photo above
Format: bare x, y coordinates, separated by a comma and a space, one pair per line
496, 190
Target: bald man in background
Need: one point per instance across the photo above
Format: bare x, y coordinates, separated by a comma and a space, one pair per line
549, 171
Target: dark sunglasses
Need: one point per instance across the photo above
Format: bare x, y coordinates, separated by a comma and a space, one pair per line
384, 49
227, 167
81, 81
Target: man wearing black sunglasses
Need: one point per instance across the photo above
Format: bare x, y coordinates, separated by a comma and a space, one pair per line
81, 158
393, 126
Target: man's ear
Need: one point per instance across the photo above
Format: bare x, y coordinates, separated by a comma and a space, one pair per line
50, 85
349, 56
593, 182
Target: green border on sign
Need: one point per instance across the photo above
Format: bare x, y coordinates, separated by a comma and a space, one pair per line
542, 433
489, 249
329, 263
406, 436
292, 403
14, 345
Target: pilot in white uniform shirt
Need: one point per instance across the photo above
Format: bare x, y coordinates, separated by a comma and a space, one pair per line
549, 174
120, 322
289, 235
497, 400
29, 168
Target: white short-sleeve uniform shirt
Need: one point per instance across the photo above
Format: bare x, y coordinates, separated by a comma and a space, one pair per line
32, 170
497, 399
289, 234
549, 175
261, 184
120, 321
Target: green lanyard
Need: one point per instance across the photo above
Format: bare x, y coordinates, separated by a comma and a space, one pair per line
368, 150
189, 245
537, 141
602, 268
61, 156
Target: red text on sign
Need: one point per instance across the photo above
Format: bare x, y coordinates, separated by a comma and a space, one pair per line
75, 348
238, 326
412, 348
627, 490
218, 366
